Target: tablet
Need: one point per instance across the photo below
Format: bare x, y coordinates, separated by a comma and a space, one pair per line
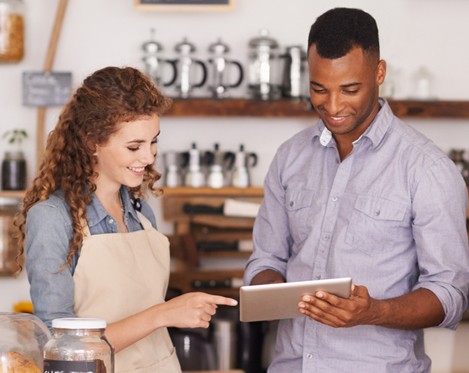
280, 301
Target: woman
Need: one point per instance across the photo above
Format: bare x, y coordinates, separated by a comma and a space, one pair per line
92, 248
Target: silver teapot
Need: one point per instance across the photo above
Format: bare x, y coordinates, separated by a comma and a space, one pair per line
220, 63
186, 63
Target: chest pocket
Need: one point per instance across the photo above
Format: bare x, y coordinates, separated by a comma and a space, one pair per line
298, 204
376, 224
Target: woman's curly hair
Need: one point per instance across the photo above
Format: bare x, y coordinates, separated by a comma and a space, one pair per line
106, 98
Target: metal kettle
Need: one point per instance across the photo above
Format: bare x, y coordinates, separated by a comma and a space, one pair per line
262, 67
186, 64
294, 79
219, 63
154, 62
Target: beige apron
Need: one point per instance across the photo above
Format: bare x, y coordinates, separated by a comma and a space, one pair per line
121, 274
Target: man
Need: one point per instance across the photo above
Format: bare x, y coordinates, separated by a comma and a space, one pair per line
362, 195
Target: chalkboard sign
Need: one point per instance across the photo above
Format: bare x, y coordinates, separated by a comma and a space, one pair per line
184, 4
46, 88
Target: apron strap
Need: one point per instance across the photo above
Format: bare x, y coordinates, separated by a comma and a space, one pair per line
144, 221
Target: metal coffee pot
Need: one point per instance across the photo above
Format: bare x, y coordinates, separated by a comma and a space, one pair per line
174, 163
262, 67
219, 164
294, 73
185, 64
195, 175
154, 62
241, 177
219, 68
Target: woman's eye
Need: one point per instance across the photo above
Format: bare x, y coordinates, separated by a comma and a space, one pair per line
133, 149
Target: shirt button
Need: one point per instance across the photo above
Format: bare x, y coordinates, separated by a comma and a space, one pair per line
334, 199
326, 237
111, 221
309, 356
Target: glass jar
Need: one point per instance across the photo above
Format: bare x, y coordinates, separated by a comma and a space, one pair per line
22, 339
11, 30
78, 345
14, 171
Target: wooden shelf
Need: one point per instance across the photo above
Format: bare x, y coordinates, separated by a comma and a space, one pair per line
230, 191
19, 194
241, 107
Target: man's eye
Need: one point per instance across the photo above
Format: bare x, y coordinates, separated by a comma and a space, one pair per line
318, 91
351, 91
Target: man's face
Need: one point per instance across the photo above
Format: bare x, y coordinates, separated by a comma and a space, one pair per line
345, 91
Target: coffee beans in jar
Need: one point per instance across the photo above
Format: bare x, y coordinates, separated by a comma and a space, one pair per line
11, 30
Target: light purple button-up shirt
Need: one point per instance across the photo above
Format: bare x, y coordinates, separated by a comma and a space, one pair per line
391, 216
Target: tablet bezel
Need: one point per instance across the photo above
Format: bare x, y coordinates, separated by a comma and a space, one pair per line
280, 300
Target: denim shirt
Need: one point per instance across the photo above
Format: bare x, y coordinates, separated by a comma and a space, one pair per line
48, 233
391, 215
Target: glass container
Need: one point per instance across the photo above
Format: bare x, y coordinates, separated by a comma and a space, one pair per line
78, 345
22, 339
11, 30
14, 171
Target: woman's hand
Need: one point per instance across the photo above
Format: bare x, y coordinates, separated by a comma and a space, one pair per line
193, 310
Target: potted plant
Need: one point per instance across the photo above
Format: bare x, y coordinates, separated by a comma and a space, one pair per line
14, 162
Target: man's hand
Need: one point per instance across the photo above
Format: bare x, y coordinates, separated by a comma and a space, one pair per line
359, 309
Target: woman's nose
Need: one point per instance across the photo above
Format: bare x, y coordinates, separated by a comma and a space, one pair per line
148, 156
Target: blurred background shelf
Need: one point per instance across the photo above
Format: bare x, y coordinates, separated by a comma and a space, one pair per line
207, 107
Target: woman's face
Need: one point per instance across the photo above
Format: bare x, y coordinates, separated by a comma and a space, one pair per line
122, 160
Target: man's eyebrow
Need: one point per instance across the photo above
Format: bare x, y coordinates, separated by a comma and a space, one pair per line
312, 82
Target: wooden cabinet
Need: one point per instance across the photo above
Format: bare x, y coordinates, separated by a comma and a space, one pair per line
220, 233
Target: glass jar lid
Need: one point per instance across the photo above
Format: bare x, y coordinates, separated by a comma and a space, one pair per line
185, 46
263, 40
78, 323
219, 47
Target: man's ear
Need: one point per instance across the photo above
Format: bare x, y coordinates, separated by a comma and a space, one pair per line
380, 72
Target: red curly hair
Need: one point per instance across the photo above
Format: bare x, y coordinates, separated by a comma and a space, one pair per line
106, 98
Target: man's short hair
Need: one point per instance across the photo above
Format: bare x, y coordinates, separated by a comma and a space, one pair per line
338, 30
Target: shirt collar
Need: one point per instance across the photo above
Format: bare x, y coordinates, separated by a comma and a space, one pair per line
374, 132
96, 212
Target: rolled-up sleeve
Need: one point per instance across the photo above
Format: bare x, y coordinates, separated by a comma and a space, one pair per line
48, 232
439, 229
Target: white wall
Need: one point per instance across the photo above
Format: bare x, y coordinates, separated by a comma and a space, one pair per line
414, 33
